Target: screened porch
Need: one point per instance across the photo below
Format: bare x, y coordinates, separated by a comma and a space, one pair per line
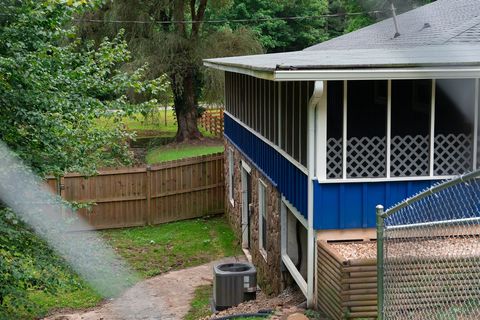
401, 129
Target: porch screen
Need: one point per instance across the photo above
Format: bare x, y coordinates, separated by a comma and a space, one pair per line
454, 123
334, 129
410, 128
276, 111
366, 129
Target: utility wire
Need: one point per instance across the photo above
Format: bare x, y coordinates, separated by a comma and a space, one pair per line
336, 15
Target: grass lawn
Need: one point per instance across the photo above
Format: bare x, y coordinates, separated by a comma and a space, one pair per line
160, 124
180, 151
200, 305
71, 298
149, 250
156, 249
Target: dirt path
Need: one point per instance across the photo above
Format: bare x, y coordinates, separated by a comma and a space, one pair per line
165, 297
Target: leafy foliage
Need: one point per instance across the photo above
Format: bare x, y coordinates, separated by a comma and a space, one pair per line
27, 264
278, 35
340, 25
174, 48
53, 88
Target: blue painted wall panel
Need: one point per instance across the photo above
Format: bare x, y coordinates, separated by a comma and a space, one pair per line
288, 179
352, 205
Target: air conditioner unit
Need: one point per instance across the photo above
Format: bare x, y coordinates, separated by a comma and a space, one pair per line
233, 283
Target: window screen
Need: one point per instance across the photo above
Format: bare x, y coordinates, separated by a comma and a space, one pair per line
366, 129
454, 114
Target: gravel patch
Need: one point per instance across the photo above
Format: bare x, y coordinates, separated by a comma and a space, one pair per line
290, 301
445, 247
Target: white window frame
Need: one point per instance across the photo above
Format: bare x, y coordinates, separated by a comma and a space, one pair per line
231, 169
246, 170
302, 284
262, 212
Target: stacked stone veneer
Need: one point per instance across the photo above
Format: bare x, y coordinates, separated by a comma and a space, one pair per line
269, 268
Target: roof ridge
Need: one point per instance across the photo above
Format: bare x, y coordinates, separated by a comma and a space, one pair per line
464, 27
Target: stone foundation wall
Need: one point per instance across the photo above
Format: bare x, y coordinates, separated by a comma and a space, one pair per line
269, 268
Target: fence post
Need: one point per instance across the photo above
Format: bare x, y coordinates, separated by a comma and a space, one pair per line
148, 191
380, 225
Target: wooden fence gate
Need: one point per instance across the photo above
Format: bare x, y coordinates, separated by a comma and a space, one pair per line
212, 121
171, 191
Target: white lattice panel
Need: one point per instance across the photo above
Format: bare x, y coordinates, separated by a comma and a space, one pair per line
334, 158
409, 156
453, 154
366, 157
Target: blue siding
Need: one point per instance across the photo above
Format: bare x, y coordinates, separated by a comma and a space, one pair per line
352, 205
289, 180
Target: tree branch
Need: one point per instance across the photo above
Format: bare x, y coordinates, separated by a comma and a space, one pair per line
199, 18
179, 16
192, 9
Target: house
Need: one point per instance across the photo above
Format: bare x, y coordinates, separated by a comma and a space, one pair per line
315, 139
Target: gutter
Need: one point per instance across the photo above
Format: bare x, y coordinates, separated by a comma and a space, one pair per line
400, 72
447, 72
314, 101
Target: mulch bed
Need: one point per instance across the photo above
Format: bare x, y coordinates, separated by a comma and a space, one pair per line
288, 302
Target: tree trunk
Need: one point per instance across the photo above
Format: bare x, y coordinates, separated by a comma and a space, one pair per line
186, 108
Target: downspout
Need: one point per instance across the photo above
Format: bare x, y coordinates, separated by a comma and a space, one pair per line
311, 150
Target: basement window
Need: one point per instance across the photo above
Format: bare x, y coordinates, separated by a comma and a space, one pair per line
294, 243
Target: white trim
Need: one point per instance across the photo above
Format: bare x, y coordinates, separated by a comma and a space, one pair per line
432, 129
475, 126
295, 212
302, 284
316, 163
262, 211
345, 132
400, 73
267, 75
321, 135
277, 148
246, 170
391, 179
283, 240
389, 126
378, 74
246, 167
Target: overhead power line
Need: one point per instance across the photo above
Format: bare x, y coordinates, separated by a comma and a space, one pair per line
336, 15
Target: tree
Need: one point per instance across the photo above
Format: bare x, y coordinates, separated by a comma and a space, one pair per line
270, 23
175, 46
338, 25
54, 88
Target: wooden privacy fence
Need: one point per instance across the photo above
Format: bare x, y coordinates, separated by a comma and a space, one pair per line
212, 121
171, 191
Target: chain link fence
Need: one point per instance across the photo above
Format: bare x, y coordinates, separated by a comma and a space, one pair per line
429, 253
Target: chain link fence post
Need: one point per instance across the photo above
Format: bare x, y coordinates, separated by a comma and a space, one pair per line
380, 225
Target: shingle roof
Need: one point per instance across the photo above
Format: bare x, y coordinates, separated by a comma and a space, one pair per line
424, 56
452, 38
441, 22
